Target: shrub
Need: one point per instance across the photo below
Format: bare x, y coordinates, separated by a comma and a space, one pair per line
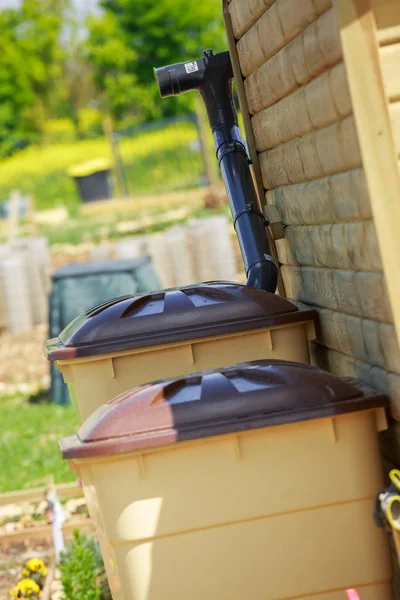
82, 570
90, 123
59, 131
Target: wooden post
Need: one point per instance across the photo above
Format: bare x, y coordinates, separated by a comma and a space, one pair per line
13, 216
207, 148
375, 135
109, 133
30, 213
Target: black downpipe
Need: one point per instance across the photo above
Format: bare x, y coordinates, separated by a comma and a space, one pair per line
212, 77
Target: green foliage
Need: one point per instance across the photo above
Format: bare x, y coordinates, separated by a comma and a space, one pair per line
17, 99
57, 131
133, 36
54, 68
30, 69
113, 62
29, 442
167, 31
90, 122
154, 161
82, 570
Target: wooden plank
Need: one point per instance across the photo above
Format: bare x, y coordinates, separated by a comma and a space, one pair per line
318, 104
44, 532
170, 200
280, 24
390, 61
395, 118
333, 149
207, 143
13, 217
387, 17
244, 13
338, 198
307, 56
46, 592
64, 490
108, 130
356, 293
349, 246
375, 135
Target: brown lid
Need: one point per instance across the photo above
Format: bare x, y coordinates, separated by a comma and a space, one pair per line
172, 315
246, 396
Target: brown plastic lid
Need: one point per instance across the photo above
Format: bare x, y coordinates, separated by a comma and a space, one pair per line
172, 315
246, 396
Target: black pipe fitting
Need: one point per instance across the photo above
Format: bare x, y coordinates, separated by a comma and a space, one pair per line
212, 77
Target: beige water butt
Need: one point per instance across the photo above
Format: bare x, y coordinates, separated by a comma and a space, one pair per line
256, 481
134, 340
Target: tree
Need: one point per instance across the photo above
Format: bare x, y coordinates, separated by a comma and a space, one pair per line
78, 84
31, 71
167, 31
40, 37
133, 36
17, 98
113, 63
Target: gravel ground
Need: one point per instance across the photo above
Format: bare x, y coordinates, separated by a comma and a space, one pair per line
23, 367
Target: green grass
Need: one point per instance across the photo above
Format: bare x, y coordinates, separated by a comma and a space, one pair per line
29, 442
160, 160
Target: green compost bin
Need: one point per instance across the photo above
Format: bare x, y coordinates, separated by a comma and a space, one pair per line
78, 287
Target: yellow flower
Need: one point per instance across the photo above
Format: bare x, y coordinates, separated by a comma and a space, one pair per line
36, 565
25, 572
26, 588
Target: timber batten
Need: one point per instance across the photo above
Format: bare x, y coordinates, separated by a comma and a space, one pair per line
302, 93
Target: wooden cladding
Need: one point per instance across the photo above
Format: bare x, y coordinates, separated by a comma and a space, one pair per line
352, 292
301, 80
330, 150
307, 56
372, 375
390, 61
336, 246
245, 14
364, 339
276, 28
321, 102
335, 199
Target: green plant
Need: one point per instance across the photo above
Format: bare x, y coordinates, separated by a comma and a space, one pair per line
82, 570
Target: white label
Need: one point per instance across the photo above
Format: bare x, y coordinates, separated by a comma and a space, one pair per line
191, 67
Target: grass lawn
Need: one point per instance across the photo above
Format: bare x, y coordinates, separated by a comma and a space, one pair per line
29, 442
